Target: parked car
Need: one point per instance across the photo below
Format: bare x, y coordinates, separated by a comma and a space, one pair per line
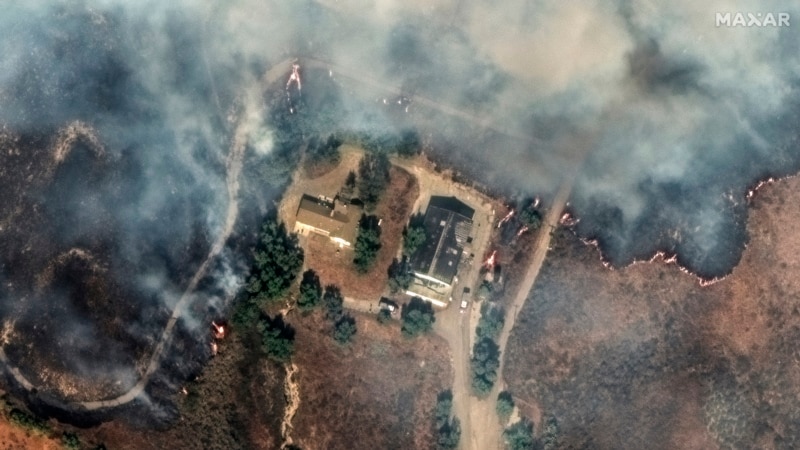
465, 299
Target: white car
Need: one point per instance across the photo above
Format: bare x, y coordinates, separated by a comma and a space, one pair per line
465, 299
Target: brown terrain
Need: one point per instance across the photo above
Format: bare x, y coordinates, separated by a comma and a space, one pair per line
236, 403
644, 357
377, 392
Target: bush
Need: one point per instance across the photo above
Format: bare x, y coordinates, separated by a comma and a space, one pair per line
417, 317
310, 291
277, 338
27, 421
344, 330
400, 275
505, 405
71, 441
519, 436
484, 364
368, 243
491, 322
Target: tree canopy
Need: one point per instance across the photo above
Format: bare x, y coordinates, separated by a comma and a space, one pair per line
413, 238
277, 338
278, 259
530, 215
344, 330
373, 178
519, 436
491, 321
417, 317
484, 364
368, 243
448, 429
400, 275
310, 291
505, 405
334, 303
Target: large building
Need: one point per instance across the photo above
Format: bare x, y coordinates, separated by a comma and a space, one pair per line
448, 225
328, 217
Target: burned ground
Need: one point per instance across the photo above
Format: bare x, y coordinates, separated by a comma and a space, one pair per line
236, 403
377, 392
646, 357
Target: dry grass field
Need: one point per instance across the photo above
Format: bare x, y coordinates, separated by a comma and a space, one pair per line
378, 392
335, 266
643, 357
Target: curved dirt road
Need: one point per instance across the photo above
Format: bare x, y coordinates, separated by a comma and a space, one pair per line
233, 169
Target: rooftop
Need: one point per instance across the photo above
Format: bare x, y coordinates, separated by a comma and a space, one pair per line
448, 224
338, 219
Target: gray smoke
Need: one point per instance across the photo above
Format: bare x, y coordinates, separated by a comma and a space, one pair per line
669, 116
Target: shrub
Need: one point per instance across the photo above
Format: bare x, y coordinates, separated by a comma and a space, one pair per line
505, 405
71, 441
519, 436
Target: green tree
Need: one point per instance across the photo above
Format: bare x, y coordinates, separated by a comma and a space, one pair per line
505, 405
519, 436
278, 259
484, 364
310, 291
448, 429
413, 239
27, 421
334, 303
400, 275
417, 317
485, 290
491, 322
344, 330
530, 216
277, 338
368, 243
373, 178
348, 189
71, 441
